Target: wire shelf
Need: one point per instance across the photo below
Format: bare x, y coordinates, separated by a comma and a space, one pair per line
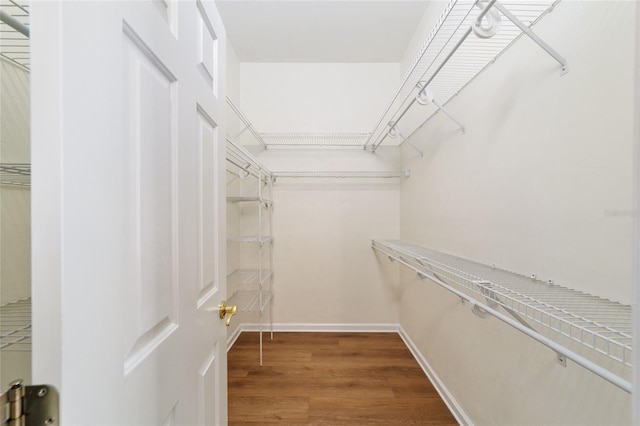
249, 276
249, 299
594, 323
345, 174
319, 140
469, 60
14, 46
260, 200
18, 174
251, 239
15, 326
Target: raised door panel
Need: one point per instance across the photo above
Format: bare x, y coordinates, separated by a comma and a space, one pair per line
150, 122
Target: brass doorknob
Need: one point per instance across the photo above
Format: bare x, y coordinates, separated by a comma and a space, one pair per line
225, 309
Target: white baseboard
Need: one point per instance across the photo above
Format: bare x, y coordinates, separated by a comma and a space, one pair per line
324, 328
311, 328
232, 339
453, 405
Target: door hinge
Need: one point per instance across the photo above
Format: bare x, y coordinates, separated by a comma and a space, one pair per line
29, 405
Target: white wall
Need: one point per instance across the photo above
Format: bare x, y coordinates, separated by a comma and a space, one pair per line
234, 125
325, 272
540, 183
233, 72
15, 208
316, 97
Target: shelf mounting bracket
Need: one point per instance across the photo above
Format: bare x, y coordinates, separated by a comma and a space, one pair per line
425, 97
533, 36
394, 132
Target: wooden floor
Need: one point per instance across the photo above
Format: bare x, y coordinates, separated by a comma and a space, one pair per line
330, 379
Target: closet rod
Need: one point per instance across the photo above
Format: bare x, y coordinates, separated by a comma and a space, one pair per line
578, 359
14, 23
246, 169
242, 167
437, 71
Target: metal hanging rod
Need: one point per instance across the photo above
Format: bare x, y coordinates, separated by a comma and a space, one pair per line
245, 163
246, 122
341, 174
598, 325
17, 174
239, 151
245, 170
14, 23
463, 60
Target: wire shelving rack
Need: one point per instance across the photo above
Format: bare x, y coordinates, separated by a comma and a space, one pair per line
319, 140
15, 326
251, 289
555, 316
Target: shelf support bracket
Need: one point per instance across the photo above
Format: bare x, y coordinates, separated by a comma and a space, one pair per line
425, 97
394, 132
533, 36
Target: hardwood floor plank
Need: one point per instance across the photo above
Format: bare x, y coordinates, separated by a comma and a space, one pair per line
363, 411
263, 409
413, 387
330, 379
363, 387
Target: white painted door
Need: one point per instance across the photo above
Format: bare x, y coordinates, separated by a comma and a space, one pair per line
128, 210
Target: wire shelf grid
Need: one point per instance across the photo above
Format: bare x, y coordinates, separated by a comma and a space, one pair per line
251, 239
17, 174
15, 326
14, 46
344, 174
248, 299
249, 276
471, 58
321, 140
596, 323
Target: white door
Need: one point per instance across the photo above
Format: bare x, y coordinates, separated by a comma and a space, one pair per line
128, 139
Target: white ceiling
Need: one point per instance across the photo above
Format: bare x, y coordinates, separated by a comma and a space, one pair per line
321, 30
